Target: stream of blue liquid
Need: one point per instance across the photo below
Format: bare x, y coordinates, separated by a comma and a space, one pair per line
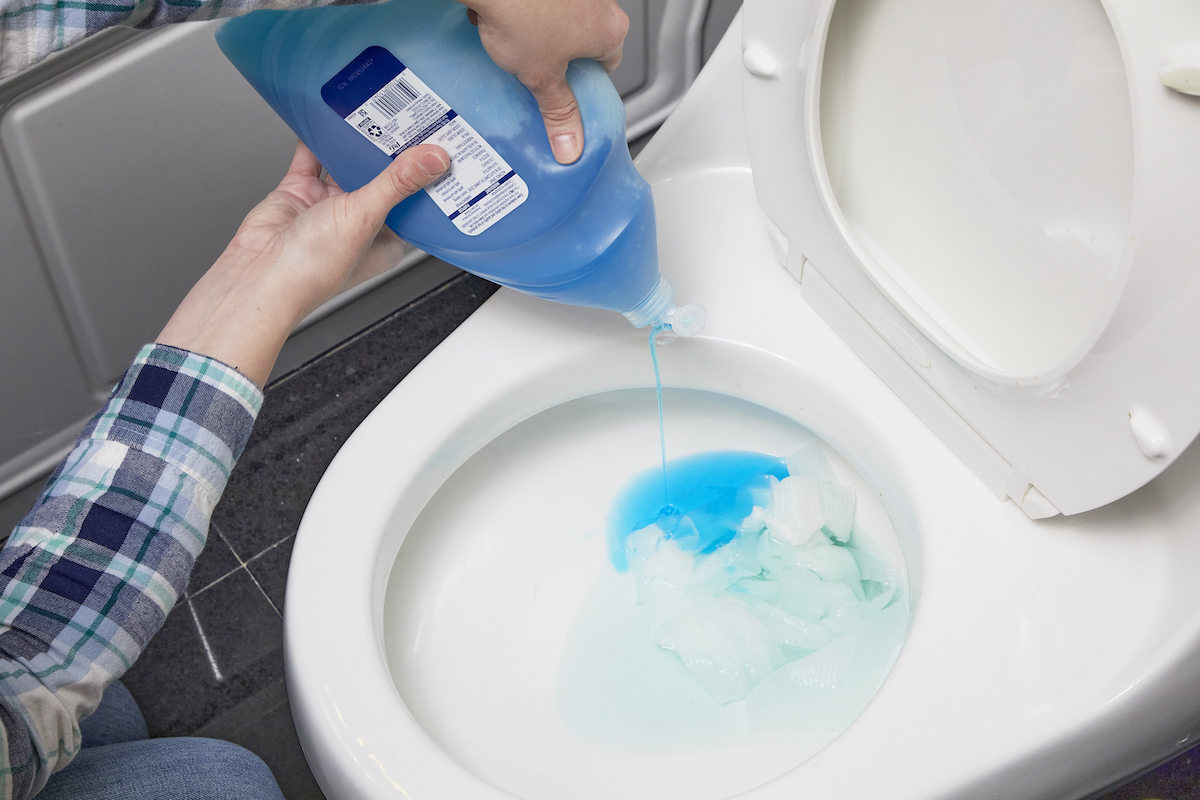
714, 491
662, 431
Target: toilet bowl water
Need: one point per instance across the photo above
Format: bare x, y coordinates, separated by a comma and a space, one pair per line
534, 669
501, 593
1044, 660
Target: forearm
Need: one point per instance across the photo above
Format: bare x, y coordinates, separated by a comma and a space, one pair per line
91, 573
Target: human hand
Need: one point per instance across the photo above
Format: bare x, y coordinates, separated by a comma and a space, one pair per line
307, 241
535, 39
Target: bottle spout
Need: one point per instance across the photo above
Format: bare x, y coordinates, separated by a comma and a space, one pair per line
687, 320
659, 309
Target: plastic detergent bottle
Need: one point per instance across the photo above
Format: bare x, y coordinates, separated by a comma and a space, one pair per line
360, 84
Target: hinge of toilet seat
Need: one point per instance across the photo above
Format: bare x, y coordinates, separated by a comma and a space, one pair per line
792, 262
1029, 497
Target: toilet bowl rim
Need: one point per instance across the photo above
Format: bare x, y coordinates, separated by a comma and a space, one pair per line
552, 370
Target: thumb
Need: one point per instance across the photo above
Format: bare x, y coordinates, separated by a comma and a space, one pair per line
560, 112
409, 172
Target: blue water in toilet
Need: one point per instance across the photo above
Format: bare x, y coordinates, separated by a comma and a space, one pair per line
745, 562
712, 490
741, 600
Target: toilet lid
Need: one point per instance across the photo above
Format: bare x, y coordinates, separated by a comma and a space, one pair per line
994, 203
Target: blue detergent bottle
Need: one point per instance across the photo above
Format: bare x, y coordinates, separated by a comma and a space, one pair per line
359, 84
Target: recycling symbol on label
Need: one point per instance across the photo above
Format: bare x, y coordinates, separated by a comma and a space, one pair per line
374, 130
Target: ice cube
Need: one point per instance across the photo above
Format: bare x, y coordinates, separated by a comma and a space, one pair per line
797, 592
786, 587
831, 563
722, 643
790, 631
876, 571
660, 570
810, 461
680, 529
826, 689
838, 502
802, 505
755, 521
795, 512
727, 564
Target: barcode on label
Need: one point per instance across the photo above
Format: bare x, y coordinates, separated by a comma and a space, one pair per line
395, 97
392, 108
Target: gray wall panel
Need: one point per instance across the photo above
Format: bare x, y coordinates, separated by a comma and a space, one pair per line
136, 173
632, 72
716, 22
43, 390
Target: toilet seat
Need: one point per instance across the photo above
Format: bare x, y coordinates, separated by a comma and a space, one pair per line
1114, 417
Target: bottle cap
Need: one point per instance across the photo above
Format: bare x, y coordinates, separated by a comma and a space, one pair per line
658, 308
687, 320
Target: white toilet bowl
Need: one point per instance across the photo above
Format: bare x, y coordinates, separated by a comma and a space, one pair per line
1045, 659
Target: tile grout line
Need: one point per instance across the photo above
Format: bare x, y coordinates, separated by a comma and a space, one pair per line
268, 549
212, 659
212, 524
241, 565
208, 586
263, 592
252, 559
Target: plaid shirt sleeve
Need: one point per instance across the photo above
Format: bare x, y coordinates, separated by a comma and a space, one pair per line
89, 576
30, 30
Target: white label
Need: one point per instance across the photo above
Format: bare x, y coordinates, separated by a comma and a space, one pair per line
480, 189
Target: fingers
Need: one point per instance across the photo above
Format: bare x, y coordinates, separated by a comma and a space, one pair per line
304, 162
612, 60
560, 112
410, 172
536, 40
612, 28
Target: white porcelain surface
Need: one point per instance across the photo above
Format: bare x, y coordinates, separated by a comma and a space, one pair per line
934, 83
994, 208
1044, 659
523, 653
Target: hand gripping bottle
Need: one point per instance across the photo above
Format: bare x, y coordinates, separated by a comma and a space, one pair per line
359, 84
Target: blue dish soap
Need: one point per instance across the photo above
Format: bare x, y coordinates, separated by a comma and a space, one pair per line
359, 84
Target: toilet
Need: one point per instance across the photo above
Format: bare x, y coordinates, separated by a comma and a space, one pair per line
953, 240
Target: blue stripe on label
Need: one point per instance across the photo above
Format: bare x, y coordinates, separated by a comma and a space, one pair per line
483, 194
361, 80
428, 131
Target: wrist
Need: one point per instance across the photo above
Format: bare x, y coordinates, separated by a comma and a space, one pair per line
244, 330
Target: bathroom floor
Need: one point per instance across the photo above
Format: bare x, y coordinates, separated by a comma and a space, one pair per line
216, 669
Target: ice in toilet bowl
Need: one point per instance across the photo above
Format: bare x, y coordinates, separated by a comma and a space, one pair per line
1043, 659
538, 652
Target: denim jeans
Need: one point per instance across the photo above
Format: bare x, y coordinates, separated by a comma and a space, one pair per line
119, 761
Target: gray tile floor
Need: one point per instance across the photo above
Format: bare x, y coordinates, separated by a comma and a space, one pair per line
216, 668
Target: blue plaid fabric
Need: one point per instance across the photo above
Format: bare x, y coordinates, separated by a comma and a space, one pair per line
30, 30
89, 576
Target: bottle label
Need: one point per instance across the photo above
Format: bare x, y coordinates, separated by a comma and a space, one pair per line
385, 102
